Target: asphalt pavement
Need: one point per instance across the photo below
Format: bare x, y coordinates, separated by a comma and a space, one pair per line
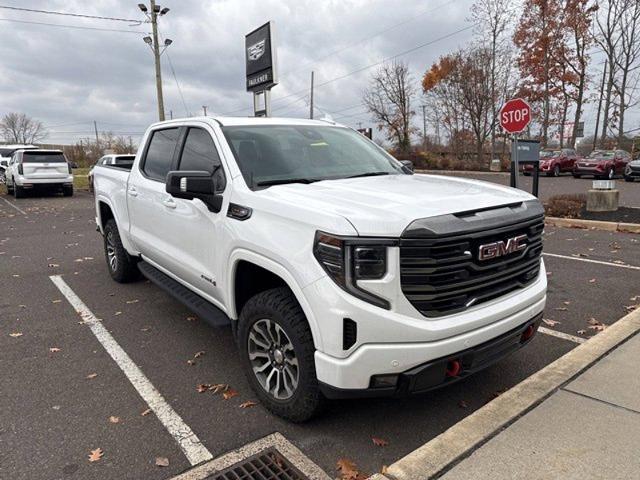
56, 405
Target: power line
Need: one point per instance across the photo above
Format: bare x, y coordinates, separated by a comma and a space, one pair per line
138, 32
386, 59
369, 37
67, 14
173, 72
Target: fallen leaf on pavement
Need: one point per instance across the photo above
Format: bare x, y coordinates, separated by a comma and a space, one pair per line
117, 313
582, 332
146, 412
113, 419
348, 470
15, 335
561, 309
630, 308
202, 387
96, 455
230, 393
191, 319
379, 442
593, 280
551, 323
248, 404
566, 302
199, 354
54, 349
132, 301
92, 375
619, 262
56, 301
162, 461
53, 265
635, 298
219, 387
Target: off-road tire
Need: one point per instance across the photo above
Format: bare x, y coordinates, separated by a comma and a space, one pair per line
280, 306
18, 191
125, 268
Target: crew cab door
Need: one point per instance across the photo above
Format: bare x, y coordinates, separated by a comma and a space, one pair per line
181, 236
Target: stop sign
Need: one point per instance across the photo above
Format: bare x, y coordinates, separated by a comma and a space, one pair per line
515, 115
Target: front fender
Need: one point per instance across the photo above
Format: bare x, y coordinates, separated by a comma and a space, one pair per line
277, 269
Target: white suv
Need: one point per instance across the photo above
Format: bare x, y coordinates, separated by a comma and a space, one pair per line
28, 169
6, 151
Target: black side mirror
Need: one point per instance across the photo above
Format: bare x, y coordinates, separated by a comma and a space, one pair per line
407, 166
194, 184
4, 163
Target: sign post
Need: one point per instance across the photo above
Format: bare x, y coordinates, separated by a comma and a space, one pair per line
515, 115
260, 58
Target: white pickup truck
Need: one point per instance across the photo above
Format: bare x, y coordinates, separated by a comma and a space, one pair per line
341, 272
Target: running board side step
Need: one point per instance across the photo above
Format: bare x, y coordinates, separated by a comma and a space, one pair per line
198, 305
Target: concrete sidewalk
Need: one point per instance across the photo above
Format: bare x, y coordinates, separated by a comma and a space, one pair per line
588, 429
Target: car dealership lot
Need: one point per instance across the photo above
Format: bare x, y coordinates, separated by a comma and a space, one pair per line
50, 435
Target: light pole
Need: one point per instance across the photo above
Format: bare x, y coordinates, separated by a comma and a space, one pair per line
152, 14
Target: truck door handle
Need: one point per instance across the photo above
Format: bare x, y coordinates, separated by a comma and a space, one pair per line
133, 192
169, 203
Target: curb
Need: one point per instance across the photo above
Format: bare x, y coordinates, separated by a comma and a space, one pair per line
441, 453
593, 224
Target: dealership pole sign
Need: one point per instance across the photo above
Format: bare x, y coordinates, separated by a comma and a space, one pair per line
261, 67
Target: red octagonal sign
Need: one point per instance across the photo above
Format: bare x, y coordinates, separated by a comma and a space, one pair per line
515, 115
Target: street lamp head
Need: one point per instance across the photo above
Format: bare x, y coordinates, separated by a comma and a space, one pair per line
168, 42
142, 7
156, 9
164, 11
147, 40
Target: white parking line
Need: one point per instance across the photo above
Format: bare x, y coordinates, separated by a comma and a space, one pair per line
588, 260
190, 444
564, 336
14, 206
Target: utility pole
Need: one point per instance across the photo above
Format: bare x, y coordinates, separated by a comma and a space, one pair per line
155, 47
171, 114
204, 109
595, 135
95, 127
156, 55
311, 98
424, 127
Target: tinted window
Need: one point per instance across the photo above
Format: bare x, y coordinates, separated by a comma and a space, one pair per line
43, 157
199, 152
160, 153
6, 152
124, 160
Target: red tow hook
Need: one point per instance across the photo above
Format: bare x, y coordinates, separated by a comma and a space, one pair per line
453, 368
528, 333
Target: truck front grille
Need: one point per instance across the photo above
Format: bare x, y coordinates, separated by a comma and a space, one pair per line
443, 275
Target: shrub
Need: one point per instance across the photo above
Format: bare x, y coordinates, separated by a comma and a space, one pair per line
565, 206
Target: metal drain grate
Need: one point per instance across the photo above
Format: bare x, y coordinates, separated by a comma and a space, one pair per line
266, 465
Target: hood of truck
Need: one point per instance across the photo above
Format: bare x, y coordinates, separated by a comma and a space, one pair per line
386, 205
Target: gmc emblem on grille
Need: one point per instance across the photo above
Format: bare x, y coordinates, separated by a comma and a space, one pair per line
498, 249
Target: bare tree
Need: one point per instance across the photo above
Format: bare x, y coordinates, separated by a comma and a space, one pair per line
628, 60
492, 19
388, 98
609, 39
19, 128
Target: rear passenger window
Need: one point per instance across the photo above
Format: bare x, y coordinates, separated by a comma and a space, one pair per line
199, 152
157, 162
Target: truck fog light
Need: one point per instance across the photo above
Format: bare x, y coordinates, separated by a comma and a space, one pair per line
384, 381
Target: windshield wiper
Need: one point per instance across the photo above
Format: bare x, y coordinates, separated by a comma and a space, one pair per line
369, 174
282, 181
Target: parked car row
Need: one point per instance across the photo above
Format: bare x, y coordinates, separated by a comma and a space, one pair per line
599, 164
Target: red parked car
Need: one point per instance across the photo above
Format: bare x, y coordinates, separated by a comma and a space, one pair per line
603, 164
554, 161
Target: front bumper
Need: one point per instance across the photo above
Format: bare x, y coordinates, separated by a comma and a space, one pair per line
632, 172
596, 171
438, 373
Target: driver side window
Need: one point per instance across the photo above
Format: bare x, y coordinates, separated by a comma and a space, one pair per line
199, 153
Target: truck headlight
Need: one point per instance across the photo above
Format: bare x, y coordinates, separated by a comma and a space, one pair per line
349, 259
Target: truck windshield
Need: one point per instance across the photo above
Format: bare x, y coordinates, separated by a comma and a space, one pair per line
277, 154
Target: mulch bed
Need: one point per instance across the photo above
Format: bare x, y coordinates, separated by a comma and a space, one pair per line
623, 214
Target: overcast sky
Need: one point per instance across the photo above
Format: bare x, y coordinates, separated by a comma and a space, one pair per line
70, 77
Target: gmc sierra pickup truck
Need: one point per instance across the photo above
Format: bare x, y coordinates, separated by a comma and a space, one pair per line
340, 271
